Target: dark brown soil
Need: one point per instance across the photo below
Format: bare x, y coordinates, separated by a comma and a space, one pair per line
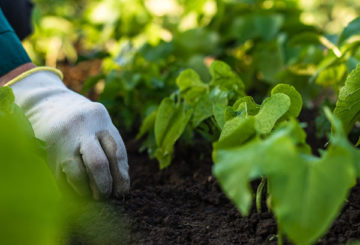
183, 204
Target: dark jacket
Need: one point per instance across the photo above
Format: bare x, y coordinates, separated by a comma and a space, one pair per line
18, 13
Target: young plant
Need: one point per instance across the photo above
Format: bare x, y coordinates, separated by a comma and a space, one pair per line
213, 109
306, 192
197, 105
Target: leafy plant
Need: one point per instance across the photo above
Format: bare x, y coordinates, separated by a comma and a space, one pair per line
347, 107
214, 109
301, 188
197, 105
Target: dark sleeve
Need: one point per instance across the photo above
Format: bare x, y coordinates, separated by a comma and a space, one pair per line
12, 53
18, 14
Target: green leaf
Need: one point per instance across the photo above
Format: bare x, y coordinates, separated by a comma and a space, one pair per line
306, 215
195, 41
251, 26
353, 28
170, 123
315, 38
197, 62
268, 26
7, 99
156, 53
268, 59
91, 82
295, 98
232, 168
230, 113
25, 178
306, 38
236, 132
191, 87
351, 63
247, 103
348, 107
304, 196
225, 78
147, 125
272, 109
202, 110
332, 75
220, 102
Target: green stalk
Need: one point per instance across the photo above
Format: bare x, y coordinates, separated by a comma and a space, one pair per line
259, 194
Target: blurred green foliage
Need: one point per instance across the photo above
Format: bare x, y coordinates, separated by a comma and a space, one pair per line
30, 201
145, 44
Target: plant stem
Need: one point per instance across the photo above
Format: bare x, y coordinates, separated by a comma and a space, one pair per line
259, 194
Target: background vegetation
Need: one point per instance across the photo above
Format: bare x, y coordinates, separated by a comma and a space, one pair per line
160, 66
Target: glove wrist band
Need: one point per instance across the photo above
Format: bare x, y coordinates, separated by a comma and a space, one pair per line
31, 71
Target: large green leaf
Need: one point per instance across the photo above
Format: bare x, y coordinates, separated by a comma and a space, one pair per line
202, 110
268, 26
236, 132
353, 28
220, 102
246, 104
295, 98
269, 60
171, 120
348, 105
272, 109
7, 99
29, 201
304, 196
225, 78
306, 38
195, 41
251, 26
147, 125
191, 86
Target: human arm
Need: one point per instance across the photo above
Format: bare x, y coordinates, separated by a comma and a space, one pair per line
85, 150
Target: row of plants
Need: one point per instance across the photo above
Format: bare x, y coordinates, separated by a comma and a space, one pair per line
145, 47
305, 192
251, 141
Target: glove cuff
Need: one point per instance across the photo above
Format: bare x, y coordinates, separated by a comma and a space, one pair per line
31, 71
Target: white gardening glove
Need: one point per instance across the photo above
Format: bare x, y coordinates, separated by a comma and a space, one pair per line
84, 147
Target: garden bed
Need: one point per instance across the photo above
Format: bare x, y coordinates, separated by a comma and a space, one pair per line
184, 204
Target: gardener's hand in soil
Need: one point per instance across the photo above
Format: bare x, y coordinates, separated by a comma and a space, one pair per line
84, 148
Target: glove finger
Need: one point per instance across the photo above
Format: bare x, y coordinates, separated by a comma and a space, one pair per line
75, 175
97, 167
115, 151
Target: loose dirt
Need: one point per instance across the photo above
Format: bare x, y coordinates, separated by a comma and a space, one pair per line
184, 204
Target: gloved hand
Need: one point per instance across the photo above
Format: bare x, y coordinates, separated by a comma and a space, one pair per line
84, 147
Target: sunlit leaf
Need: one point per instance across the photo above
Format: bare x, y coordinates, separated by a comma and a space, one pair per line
272, 109
353, 28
